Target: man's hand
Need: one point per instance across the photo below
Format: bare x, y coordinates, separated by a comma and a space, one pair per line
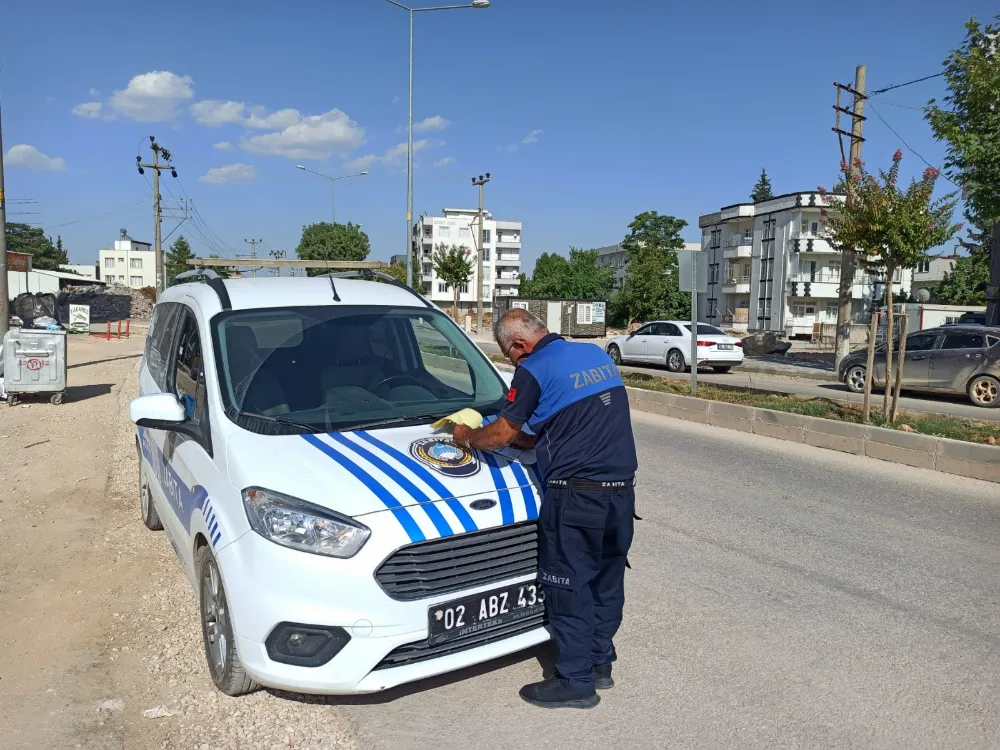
498, 434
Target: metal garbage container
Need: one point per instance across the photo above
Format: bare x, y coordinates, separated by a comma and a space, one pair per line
34, 361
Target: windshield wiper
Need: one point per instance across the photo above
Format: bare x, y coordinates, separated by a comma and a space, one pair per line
393, 421
281, 420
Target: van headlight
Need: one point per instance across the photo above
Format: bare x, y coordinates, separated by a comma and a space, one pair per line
295, 523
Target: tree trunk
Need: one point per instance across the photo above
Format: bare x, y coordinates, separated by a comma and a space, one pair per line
454, 306
899, 367
888, 342
993, 289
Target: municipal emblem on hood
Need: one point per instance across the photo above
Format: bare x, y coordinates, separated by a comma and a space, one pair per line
445, 456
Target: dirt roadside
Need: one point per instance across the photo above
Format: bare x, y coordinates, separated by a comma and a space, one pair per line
100, 623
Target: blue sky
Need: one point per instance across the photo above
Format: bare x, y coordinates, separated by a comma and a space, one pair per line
585, 113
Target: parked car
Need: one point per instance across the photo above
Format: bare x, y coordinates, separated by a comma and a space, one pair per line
336, 542
668, 342
950, 359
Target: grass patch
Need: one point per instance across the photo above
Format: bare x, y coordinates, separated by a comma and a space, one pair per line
933, 425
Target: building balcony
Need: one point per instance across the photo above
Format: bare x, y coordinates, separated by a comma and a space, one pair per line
736, 285
507, 260
739, 240
508, 240
818, 287
808, 242
737, 251
508, 278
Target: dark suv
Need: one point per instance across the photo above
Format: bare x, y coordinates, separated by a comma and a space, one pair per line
950, 359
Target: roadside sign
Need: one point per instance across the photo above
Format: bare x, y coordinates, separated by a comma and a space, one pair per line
20, 262
79, 318
685, 273
598, 313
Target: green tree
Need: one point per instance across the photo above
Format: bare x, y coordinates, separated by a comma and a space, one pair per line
22, 238
762, 190
548, 278
651, 286
966, 283
61, 255
176, 259
890, 229
397, 271
326, 241
969, 122
224, 271
453, 266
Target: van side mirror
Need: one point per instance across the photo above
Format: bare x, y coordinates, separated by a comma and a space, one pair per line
159, 411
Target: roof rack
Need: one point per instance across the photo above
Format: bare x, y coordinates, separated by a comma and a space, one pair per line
210, 277
367, 273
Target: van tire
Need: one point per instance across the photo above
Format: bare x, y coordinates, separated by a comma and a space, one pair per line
216, 623
147, 508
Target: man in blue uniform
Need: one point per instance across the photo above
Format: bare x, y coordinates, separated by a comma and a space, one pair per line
572, 398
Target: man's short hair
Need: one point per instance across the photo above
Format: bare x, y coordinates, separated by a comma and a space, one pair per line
517, 324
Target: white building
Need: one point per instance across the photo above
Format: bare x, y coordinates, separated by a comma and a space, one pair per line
129, 263
772, 268
501, 255
930, 271
86, 270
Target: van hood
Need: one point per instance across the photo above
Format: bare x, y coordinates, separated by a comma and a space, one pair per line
361, 472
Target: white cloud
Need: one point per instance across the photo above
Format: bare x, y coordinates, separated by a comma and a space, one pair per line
212, 113
223, 146
229, 173
510, 148
313, 137
29, 157
532, 137
444, 162
283, 118
152, 97
94, 92
391, 156
437, 122
92, 111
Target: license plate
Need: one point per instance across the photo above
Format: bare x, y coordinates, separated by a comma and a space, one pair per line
490, 609
726, 347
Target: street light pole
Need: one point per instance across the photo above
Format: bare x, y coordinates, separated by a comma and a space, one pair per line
409, 138
479, 259
333, 185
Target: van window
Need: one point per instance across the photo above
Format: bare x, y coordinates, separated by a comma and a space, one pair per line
189, 373
159, 341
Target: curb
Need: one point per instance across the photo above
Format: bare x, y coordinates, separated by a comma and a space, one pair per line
922, 451
806, 374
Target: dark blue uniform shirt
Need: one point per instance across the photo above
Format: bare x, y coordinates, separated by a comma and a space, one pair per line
573, 398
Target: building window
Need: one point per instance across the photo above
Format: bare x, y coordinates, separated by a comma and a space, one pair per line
486, 236
427, 269
835, 270
444, 231
924, 266
486, 254
136, 281
136, 263
584, 313
832, 309
121, 279
463, 232
109, 262
122, 261
442, 287
464, 289
486, 272
428, 231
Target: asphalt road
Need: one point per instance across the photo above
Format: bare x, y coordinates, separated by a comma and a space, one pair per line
780, 595
958, 406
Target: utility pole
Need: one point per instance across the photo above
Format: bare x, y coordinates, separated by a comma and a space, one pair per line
158, 153
479, 256
253, 253
848, 262
277, 255
4, 301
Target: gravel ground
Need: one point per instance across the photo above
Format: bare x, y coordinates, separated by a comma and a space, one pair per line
103, 646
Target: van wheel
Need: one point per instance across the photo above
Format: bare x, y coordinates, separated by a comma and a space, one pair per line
675, 361
217, 629
985, 391
146, 507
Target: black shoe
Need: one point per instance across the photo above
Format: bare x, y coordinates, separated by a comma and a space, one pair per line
553, 694
603, 672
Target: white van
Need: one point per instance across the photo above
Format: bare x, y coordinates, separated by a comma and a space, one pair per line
336, 542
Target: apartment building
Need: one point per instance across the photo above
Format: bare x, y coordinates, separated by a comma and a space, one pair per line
128, 263
772, 268
930, 272
501, 255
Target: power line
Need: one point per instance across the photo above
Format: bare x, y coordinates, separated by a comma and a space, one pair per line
908, 146
908, 83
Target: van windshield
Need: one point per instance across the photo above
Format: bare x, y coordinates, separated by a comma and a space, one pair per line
319, 369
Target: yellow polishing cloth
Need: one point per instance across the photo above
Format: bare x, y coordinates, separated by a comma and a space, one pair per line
469, 417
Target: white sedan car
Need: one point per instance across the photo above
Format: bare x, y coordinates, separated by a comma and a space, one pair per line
668, 342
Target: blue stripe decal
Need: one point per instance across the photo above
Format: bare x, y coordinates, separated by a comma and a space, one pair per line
216, 538
213, 528
526, 493
432, 481
506, 506
211, 517
443, 529
404, 518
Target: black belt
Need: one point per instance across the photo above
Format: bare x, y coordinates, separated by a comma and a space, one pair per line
590, 484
